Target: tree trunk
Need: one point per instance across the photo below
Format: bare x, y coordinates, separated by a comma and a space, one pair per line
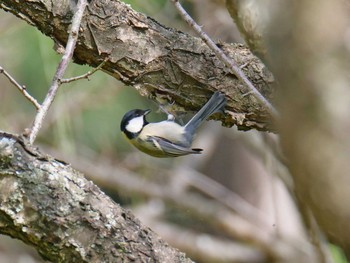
46, 203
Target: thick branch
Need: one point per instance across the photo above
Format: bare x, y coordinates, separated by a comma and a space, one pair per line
46, 203
156, 60
309, 51
248, 17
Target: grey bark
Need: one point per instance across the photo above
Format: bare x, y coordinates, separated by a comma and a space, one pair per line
46, 203
162, 63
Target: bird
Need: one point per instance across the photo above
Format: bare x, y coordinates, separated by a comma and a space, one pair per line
168, 138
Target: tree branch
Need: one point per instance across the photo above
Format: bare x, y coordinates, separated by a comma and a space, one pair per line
314, 99
160, 62
228, 62
84, 76
49, 205
248, 16
21, 88
62, 66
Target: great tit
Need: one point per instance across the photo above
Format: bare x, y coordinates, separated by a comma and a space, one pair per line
167, 138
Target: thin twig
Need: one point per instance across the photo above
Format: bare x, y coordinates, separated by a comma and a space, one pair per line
228, 62
86, 75
72, 39
22, 89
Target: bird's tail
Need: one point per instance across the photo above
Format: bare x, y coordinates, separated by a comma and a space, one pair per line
216, 103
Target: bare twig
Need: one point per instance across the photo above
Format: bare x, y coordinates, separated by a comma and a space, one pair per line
72, 39
228, 62
86, 75
22, 89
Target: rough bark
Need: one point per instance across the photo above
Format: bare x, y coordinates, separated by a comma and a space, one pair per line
160, 62
49, 205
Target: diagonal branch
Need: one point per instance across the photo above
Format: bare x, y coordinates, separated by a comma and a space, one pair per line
160, 62
62, 66
84, 76
228, 62
21, 88
49, 205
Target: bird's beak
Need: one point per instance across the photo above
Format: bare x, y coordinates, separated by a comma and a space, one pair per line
146, 112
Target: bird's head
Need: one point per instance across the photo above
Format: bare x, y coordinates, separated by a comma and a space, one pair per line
133, 122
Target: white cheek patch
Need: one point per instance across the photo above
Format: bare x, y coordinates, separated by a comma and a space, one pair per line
135, 125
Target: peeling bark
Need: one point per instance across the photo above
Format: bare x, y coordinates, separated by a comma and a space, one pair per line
160, 62
46, 203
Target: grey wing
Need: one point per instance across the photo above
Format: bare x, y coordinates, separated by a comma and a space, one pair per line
172, 149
